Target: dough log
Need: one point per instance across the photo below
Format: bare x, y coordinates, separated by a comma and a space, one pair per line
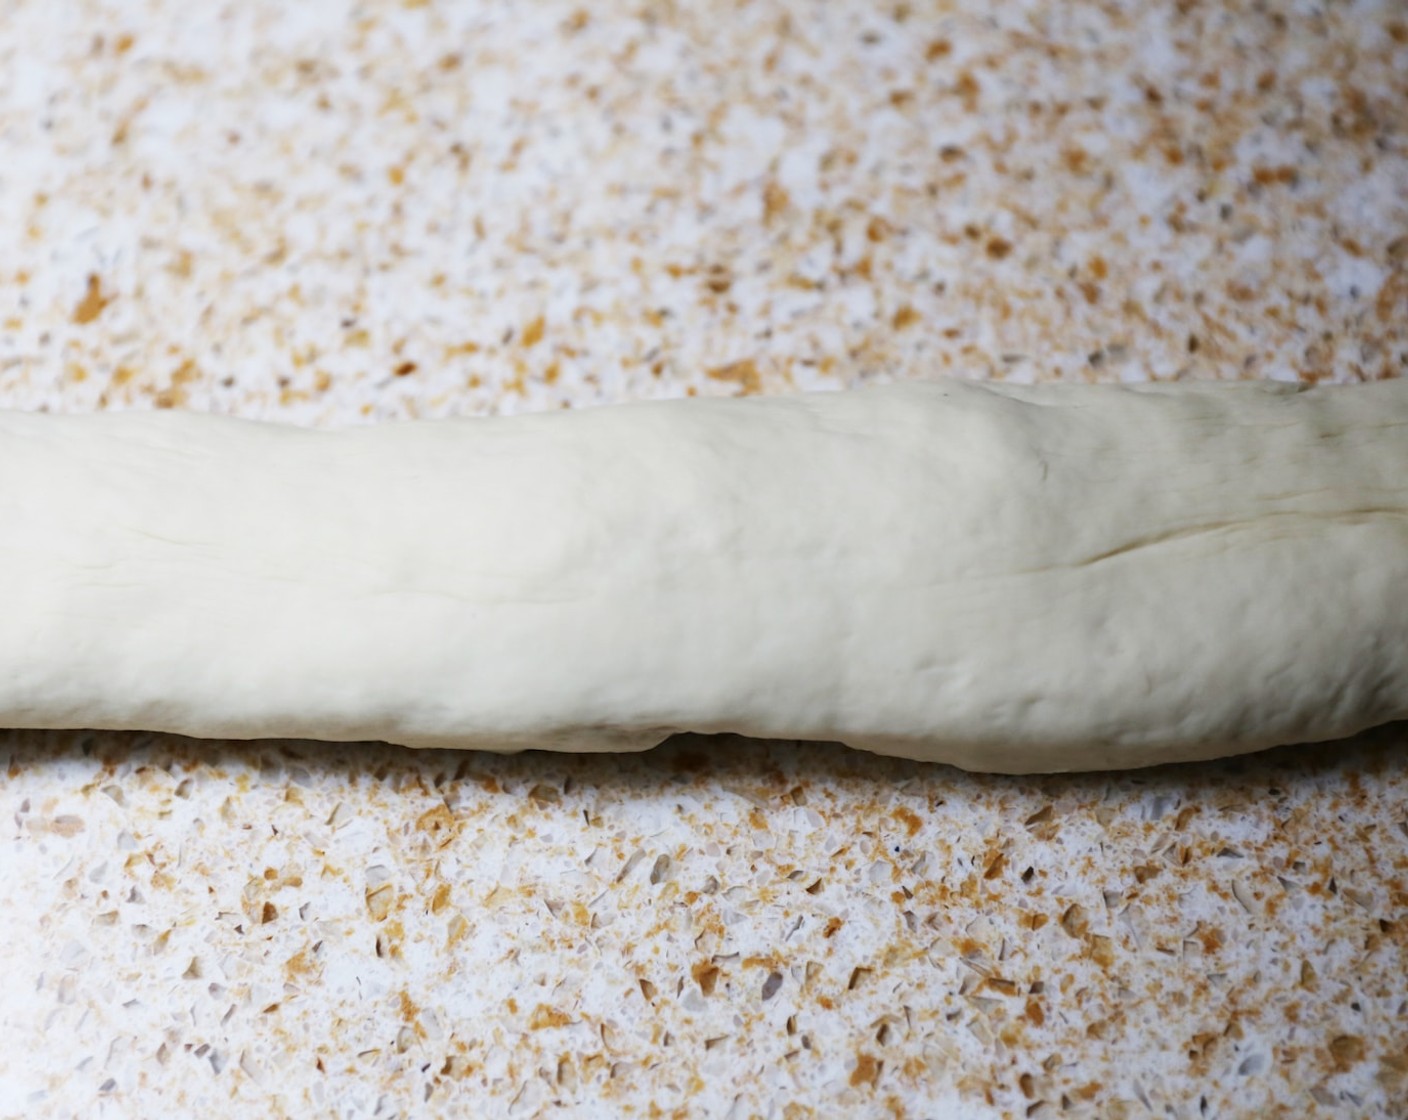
1004, 578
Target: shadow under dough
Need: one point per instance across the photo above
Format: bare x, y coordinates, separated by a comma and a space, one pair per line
687, 759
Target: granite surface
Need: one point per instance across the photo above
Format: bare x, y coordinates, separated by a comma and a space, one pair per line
332, 212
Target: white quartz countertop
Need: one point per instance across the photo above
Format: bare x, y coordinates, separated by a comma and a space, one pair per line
330, 213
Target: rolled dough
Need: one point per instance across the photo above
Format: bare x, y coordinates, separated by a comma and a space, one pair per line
1004, 578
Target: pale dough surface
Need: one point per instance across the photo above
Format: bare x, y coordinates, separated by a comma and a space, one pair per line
1006, 578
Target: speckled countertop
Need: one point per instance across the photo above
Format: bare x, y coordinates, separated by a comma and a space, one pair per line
324, 212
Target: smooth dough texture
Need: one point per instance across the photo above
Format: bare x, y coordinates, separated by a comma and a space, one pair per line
1005, 578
